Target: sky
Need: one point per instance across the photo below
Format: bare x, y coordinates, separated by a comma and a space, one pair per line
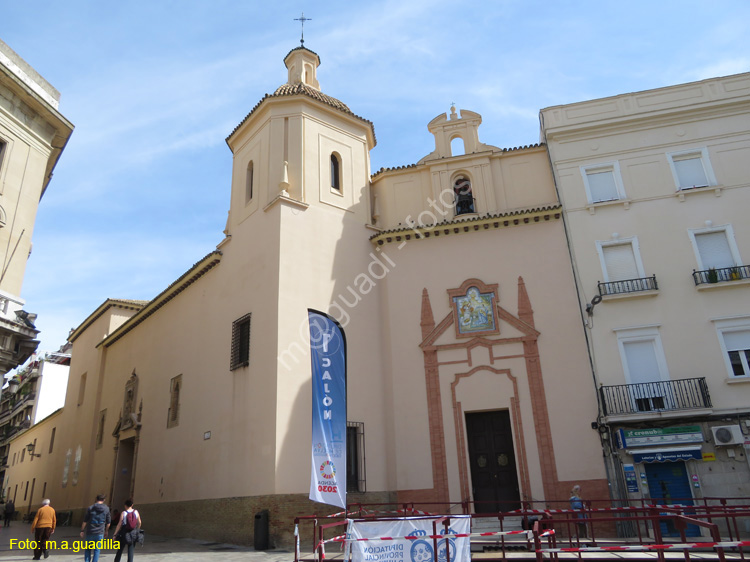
153, 88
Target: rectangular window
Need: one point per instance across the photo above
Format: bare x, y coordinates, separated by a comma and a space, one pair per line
603, 182
713, 249
622, 267
100, 428
691, 168
355, 457
738, 349
52, 440
734, 339
23, 453
619, 261
26, 493
173, 414
717, 255
645, 367
81, 389
240, 343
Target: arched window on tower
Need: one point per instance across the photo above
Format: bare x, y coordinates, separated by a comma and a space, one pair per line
249, 182
463, 196
335, 172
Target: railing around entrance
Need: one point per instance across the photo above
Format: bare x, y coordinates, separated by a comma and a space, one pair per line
551, 528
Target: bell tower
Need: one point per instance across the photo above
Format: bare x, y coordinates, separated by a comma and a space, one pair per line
302, 65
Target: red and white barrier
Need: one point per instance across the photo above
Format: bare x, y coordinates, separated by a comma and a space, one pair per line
646, 547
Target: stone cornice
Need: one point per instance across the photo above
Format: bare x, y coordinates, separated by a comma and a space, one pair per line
104, 307
714, 95
465, 225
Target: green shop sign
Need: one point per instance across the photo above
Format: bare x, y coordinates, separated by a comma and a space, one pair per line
660, 436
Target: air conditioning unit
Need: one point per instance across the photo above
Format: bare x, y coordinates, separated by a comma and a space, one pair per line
728, 435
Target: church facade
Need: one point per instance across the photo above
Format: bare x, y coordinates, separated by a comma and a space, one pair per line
469, 374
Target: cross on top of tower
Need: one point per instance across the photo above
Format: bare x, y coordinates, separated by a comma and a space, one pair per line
302, 21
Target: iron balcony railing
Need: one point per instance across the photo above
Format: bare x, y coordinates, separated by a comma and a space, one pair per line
682, 394
713, 275
628, 286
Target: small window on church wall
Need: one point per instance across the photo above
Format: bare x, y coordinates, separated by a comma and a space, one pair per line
249, 182
240, 354
457, 147
100, 428
335, 172
173, 415
463, 196
82, 389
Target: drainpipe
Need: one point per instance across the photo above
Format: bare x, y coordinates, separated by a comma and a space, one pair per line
616, 492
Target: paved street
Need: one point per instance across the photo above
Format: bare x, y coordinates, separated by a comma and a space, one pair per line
155, 548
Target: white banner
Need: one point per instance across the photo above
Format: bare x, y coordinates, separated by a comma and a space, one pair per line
419, 549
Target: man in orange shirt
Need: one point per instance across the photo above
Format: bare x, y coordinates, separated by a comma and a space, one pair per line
42, 527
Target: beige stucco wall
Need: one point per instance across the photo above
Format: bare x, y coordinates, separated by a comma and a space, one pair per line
535, 251
39, 472
638, 131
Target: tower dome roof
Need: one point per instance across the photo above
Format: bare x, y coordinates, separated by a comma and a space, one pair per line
302, 64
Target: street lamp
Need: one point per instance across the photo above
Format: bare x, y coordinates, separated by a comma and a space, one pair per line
30, 448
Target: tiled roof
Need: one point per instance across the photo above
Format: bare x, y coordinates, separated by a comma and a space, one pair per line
407, 166
464, 223
302, 48
305, 90
300, 88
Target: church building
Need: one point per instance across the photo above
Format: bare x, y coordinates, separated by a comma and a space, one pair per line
469, 378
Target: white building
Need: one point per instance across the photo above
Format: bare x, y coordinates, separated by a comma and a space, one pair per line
656, 189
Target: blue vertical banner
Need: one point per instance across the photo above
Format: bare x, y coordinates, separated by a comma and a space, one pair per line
328, 358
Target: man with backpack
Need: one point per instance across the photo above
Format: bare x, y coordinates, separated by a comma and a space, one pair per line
127, 530
95, 525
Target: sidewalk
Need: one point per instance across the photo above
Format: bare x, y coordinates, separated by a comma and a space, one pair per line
155, 549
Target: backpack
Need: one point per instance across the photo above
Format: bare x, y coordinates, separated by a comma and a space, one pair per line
130, 520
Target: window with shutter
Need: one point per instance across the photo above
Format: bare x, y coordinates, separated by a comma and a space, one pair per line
691, 169
602, 182
690, 172
645, 368
714, 251
620, 262
622, 268
602, 185
240, 354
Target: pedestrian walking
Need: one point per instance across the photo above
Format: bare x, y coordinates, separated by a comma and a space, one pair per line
10, 511
95, 528
127, 530
42, 527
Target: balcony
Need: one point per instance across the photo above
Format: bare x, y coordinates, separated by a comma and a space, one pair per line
734, 273
660, 396
628, 286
